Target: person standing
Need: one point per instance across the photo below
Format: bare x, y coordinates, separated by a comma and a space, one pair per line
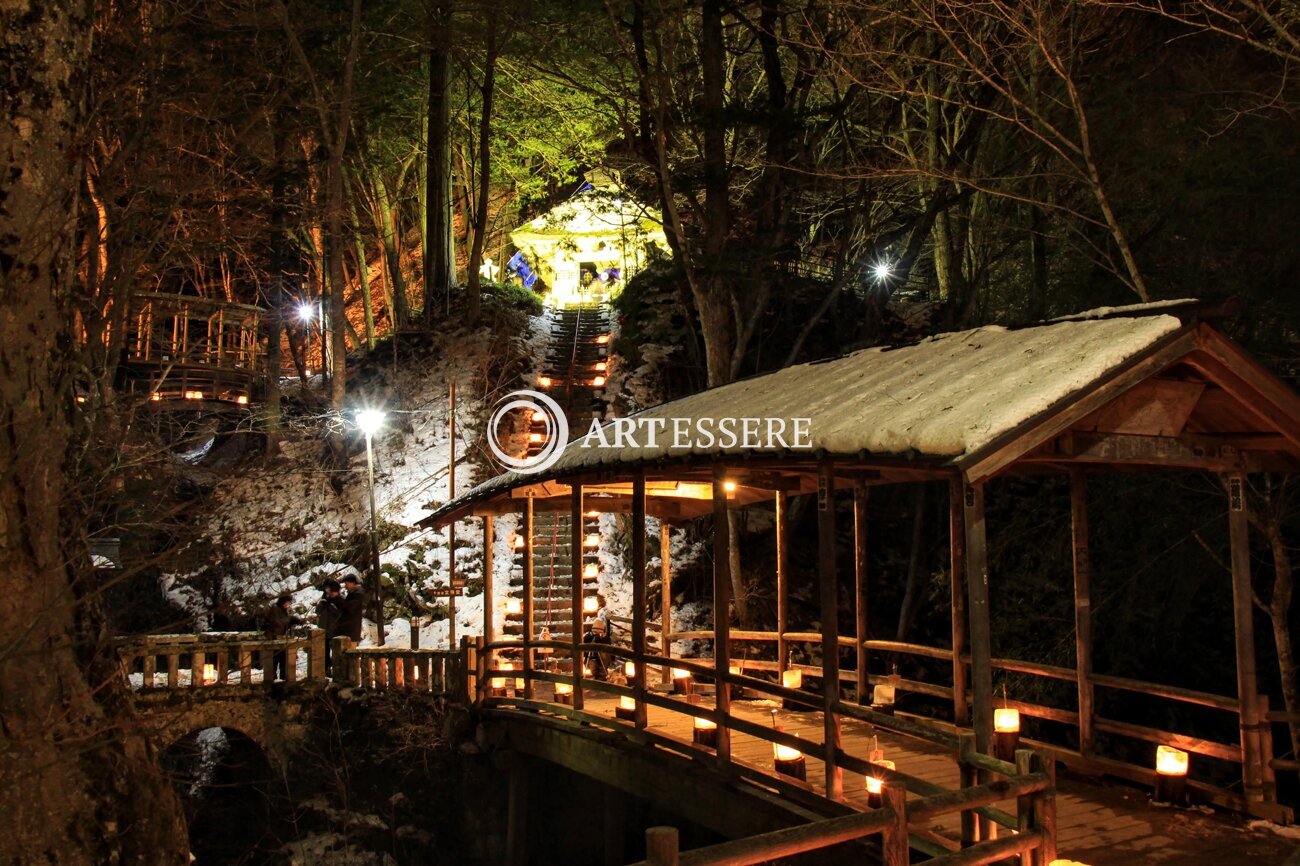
278, 623
328, 612
352, 609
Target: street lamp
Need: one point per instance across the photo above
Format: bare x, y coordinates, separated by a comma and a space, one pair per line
369, 421
307, 311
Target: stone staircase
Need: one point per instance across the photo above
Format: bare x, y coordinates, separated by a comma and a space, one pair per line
575, 361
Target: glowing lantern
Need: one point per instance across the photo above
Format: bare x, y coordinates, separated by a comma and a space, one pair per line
539, 416
600, 366
626, 709
729, 486
514, 606
543, 381
193, 395
519, 542
876, 785
737, 690
602, 339
629, 669
705, 733
498, 684
792, 679
1006, 733
789, 762
564, 694
586, 670
593, 514
598, 382
535, 437
242, 399
209, 675
681, 681
155, 397
592, 540
1171, 776
590, 571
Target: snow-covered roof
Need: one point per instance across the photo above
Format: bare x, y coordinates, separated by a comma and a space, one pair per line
941, 400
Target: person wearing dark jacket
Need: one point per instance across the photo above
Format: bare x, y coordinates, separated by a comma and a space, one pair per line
328, 612
353, 609
278, 623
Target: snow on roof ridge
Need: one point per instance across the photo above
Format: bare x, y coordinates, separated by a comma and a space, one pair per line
1149, 308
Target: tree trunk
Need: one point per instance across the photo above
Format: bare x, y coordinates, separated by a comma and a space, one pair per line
79, 783
392, 252
712, 294
363, 275
484, 172
439, 263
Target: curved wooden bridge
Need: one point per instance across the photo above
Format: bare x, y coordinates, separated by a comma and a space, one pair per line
940, 800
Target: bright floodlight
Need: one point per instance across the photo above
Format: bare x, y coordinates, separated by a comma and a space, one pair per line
306, 311
882, 271
370, 420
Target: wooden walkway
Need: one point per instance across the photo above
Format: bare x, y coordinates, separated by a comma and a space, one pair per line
1100, 825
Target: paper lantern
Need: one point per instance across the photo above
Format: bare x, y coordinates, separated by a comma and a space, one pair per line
590, 604
626, 709
592, 540
705, 733
1006, 719
792, 678
514, 606
789, 762
591, 571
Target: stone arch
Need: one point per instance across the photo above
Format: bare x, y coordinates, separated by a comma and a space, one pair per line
272, 722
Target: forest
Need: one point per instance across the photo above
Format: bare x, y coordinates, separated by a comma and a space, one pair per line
827, 175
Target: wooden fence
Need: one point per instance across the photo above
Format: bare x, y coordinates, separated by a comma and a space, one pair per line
985, 779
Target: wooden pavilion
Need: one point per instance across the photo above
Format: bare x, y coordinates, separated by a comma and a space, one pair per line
1147, 389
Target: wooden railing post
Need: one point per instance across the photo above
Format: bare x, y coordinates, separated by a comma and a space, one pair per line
1266, 772
1025, 804
1082, 608
969, 779
316, 654
1244, 621
173, 669
721, 616
640, 676
467, 675
829, 585
1045, 809
662, 846
895, 850
245, 665
957, 581
343, 664
480, 669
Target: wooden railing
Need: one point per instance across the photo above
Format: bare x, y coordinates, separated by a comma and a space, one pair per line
1087, 759
386, 668
1031, 780
241, 658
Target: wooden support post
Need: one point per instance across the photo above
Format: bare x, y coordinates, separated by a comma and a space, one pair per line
246, 665
517, 814
1045, 809
1082, 608
969, 779
662, 847
1266, 752
666, 602
528, 598
480, 670
413, 626
150, 667
639, 597
315, 657
575, 556
957, 581
721, 615
342, 673
860, 589
223, 660
830, 627
489, 572
173, 670
977, 590
1243, 617
1025, 804
895, 850
782, 581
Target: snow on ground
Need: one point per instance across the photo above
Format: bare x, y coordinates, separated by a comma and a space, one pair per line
286, 526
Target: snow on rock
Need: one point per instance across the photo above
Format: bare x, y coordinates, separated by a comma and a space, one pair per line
287, 525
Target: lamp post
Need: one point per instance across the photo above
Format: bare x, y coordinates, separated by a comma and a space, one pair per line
369, 421
308, 311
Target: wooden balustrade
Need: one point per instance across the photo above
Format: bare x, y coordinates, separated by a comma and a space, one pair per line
239, 658
1229, 752
385, 668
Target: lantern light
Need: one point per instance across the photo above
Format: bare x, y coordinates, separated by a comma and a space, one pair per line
681, 681
155, 397
592, 540
1006, 719
792, 678
626, 709
519, 542
1171, 776
590, 570
876, 784
629, 669
242, 399
306, 311
535, 437
602, 339
539, 416
193, 395
590, 604
209, 675
593, 514
543, 381
598, 382
729, 486
790, 762
564, 694
705, 733
600, 366
514, 606
1171, 761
